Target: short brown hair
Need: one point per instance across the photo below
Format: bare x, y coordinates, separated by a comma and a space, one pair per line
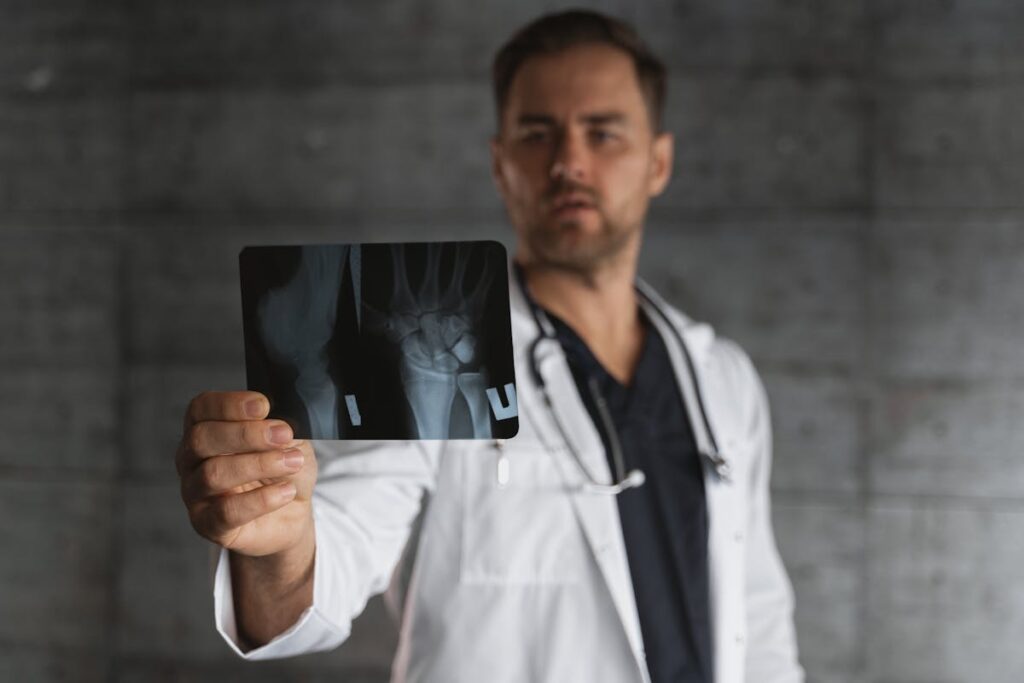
556, 32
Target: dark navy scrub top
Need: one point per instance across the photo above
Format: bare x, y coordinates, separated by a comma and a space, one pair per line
664, 522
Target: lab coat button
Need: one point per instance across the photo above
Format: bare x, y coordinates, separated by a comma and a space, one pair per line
739, 638
738, 537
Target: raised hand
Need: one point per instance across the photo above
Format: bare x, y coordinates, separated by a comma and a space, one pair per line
246, 483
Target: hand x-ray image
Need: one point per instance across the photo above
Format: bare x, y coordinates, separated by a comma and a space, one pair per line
382, 341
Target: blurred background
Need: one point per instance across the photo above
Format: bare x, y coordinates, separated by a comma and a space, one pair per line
846, 204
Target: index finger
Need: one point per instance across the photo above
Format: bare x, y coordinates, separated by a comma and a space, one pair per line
226, 406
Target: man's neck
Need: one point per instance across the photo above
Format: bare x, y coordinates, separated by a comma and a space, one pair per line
601, 307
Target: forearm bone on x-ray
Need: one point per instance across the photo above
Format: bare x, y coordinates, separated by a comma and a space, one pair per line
297, 322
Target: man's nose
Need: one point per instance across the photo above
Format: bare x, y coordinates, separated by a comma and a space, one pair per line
570, 158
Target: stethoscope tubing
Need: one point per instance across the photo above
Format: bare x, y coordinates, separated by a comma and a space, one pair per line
633, 478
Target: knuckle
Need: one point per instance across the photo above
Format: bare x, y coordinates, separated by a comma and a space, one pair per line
264, 466
198, 517
212, 474
267, 498
195, 438
197, 401
253, 434
222, 513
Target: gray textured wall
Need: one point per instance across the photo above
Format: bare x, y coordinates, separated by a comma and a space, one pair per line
846, 204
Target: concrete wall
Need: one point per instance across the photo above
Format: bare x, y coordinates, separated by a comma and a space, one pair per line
846, 205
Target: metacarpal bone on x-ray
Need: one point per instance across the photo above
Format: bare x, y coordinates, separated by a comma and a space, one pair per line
435, 332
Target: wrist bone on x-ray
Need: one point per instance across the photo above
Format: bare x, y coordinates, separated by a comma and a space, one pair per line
436, 330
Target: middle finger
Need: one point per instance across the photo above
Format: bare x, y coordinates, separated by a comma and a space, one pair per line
222, 473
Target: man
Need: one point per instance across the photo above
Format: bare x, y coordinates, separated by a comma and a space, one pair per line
547, 557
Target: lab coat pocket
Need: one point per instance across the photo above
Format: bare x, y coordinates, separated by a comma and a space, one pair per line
523, 530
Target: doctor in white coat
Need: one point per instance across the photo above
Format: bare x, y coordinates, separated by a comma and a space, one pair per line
506, 561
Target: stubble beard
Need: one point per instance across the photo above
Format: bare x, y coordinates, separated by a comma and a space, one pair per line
563, 247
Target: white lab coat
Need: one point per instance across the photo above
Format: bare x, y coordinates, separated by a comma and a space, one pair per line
529, 582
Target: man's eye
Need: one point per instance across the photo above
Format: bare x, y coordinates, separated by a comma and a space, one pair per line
534, 136
601, 135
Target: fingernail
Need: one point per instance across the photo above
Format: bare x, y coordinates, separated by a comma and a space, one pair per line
254, 407
280, 434
293, 458
286, 492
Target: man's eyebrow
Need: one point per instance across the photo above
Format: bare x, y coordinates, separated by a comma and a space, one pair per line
599, 118
596, 118
535, 120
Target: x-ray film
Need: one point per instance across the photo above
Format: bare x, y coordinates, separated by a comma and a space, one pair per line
382, 341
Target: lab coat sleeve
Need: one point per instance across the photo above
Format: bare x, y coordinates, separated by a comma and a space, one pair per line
365, 503
771, 636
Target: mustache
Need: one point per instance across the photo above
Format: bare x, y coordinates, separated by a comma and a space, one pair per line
562, 186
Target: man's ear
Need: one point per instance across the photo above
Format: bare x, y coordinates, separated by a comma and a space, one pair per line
663, 149
496, 159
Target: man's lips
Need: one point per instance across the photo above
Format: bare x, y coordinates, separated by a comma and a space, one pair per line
571, 202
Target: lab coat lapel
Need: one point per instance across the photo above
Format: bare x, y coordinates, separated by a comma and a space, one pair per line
567, 429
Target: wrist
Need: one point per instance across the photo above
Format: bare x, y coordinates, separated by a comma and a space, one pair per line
271, 591
290, 568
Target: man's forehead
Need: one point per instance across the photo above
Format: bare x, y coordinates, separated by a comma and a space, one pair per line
597, 77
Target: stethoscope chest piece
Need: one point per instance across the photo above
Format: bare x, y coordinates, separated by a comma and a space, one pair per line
721, 466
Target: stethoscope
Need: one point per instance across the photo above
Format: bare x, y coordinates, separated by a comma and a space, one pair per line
623, 480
